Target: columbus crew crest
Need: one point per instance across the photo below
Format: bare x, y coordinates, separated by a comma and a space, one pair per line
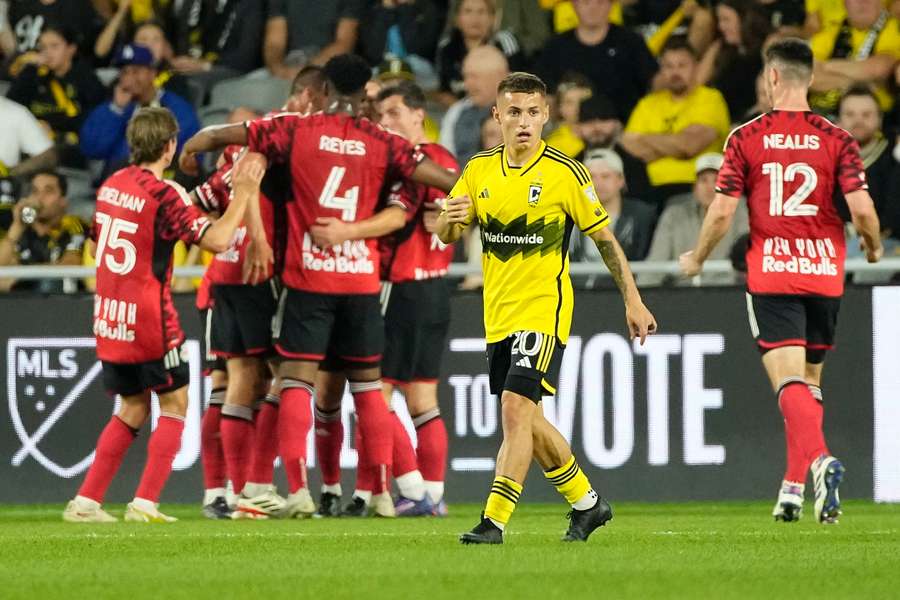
534, 193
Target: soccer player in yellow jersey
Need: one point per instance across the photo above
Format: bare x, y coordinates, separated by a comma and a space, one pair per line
527, 197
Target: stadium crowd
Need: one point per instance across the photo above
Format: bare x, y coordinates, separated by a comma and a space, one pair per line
645, 95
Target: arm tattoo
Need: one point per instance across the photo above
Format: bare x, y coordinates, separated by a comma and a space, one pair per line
610, 255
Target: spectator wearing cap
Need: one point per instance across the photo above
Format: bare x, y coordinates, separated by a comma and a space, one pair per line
475, 25
669, 128
152, 35
632, 220
60, 90
403, 29
103, 134
483, 70
569, 96
614, 59
680, 223
599, 126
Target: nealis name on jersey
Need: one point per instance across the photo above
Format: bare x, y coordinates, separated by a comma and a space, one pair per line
781, 141
113, 318
117, 198
339, 146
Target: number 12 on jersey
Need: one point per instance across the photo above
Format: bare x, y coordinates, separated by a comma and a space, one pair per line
793, 206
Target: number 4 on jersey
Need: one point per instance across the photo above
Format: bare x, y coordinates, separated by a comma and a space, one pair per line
794, 206
330, 199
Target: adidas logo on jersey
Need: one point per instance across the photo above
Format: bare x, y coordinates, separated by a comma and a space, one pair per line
524, 362
485, 194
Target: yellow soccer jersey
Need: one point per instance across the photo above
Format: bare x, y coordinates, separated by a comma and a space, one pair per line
526, 216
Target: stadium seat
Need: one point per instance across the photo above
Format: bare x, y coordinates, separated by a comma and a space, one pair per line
261, 95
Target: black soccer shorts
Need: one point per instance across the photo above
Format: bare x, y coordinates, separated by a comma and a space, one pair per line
242, 319
347, 327
164, 375
416, 323
211, 362
779, 321
526, 363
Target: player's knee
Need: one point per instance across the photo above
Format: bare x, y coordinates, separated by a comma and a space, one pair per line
517, 411
174, 402
421, 398
134, 411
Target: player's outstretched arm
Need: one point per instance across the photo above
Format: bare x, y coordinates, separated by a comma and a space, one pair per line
454, 219
641, 322
866, 223
208, 139
716, 224
330, 231
246, 177
432, 174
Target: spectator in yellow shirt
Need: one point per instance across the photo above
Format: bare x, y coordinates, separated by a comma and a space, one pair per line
861, 49
669, 128
569, 95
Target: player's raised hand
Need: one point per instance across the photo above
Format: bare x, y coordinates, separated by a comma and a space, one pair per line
330, 231
249, 171
641, 321
256, 264
690, 266
873, 255
458, 208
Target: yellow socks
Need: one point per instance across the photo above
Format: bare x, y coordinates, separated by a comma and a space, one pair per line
570, 481
502, 501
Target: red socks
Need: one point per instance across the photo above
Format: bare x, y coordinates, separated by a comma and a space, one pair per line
113, 443
294, 422
265, 442
375, 427
211, 454
432, 448
803, 428
236, 427
161, 451
404, 456
329, 440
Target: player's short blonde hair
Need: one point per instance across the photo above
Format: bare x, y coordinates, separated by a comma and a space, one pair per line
149, 130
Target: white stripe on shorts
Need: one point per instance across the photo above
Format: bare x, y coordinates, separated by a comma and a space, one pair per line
751, 315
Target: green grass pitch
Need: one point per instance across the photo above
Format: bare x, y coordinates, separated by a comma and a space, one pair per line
696, 550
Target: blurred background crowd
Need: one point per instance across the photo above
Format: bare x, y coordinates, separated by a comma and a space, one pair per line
644, 93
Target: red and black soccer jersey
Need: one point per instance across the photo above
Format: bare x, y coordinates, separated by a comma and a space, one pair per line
413, 253
137, 222
788, 164
339, 167
227, 267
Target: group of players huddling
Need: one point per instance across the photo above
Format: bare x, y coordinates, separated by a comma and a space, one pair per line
329, 272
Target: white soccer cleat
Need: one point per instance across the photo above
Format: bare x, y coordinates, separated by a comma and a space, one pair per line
142, 512
789, 506
828, 473
85, 510
300, 505
382, 505
265, 505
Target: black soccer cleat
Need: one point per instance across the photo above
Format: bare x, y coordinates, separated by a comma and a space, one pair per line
356, 508
483, 533
582, 523
217, 509
329, 505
